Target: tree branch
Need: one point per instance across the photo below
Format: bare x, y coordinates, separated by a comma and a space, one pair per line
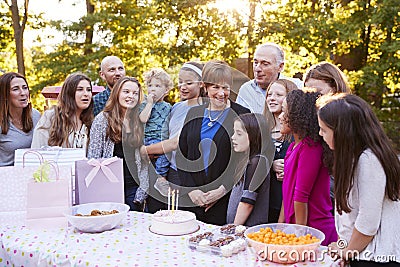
25, 18
9, 5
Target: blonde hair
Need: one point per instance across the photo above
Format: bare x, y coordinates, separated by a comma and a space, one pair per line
289, 86
160, 74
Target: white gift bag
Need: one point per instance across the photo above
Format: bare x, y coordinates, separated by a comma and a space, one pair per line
61, 156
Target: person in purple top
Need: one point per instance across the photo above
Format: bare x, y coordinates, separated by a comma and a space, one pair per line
305, 188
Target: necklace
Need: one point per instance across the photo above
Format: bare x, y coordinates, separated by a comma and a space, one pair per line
211, 123
17, 123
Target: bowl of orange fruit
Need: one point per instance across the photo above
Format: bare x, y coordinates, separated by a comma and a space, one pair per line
284, 243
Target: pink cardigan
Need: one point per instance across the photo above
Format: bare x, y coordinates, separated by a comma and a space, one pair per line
306, 180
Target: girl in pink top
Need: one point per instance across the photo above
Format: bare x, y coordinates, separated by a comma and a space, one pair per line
305, 188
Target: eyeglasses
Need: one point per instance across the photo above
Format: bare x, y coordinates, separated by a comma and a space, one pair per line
187, 83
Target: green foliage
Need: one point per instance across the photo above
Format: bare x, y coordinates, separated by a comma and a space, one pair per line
5, 29
144, 35
361, 36
6, 38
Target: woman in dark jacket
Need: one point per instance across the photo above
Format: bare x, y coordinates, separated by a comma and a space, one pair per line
205, 159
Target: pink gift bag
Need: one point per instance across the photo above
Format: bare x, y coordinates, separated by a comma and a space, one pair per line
64, 157
47, 201
99, 180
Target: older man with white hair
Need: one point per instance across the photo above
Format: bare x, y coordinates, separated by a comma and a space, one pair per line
268, 63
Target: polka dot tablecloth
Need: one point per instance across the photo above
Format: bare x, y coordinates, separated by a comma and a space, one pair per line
130, 244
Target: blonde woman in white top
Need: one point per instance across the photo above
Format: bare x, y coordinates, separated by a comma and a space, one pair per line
67, 124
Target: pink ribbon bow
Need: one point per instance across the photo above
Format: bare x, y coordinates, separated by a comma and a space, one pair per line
103, 166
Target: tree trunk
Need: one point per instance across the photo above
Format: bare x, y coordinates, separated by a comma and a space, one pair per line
19, 27
89, 29
250, 39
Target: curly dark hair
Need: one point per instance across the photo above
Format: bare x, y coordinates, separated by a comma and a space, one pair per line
301, 114
302, 118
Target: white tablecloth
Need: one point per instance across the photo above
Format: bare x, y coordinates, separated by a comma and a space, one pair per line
130, 244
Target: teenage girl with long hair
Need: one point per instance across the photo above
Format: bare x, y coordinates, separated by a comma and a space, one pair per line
67, 124
367, 181
117, 131
249, 198
276, 93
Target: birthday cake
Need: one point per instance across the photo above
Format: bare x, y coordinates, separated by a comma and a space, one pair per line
174, 222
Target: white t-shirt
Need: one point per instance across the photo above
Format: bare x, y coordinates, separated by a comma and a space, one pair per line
176, 123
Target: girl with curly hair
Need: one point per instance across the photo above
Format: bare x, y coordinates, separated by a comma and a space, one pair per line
68, 123
117, 131
305, 187
327, 78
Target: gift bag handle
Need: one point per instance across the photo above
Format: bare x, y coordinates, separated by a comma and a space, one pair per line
34, 153
53, 148
52, 163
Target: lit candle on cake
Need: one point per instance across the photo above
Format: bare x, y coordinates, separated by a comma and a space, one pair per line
173, 201
169, 198
177, 198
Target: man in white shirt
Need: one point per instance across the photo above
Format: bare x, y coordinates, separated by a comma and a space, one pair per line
268, 63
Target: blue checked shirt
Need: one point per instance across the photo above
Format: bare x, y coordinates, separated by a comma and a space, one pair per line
100, 100
154, 128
